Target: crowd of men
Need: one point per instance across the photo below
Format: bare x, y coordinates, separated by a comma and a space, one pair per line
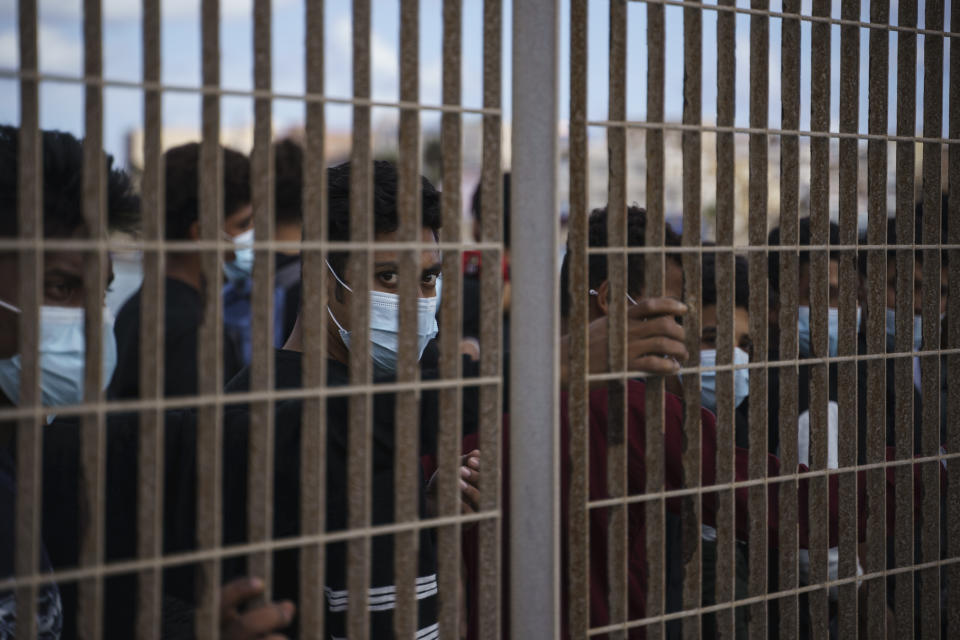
655, 347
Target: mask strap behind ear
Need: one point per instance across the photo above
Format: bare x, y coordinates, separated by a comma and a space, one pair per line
9, 307
337, 278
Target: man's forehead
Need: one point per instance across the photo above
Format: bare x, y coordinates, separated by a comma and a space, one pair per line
71, 261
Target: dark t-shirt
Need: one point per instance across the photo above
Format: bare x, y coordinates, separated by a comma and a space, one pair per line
182, 315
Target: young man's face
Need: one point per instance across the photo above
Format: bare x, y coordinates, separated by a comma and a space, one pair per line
386, 276
803, 284
63, 286
741, 328
917, 287
239, 221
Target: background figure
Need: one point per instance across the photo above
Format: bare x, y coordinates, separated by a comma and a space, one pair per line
185, 284
288, 216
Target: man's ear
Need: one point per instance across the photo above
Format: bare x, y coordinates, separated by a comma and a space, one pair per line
603, 302
193, 231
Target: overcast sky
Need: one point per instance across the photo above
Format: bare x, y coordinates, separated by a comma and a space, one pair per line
61, 52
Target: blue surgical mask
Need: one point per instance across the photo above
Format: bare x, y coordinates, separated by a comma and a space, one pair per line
891, 317
833, 330
62, 352
385, 325
708, 379
242, 266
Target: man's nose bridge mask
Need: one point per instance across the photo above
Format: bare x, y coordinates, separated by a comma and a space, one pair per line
385, 324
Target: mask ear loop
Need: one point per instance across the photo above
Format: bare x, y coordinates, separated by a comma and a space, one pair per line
6, 305
337, 278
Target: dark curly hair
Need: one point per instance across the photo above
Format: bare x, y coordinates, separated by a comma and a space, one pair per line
182, 167
288, 181
385, 217
62, 156
597, 263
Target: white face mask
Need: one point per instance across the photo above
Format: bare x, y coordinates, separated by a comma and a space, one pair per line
62, 352
385, 325
891, 321
708, 379
242, 266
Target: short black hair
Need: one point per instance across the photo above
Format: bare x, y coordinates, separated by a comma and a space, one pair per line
288, 181
476, 203
803, 239
741, 279
182, 167
62, 186
597, 263
385, 216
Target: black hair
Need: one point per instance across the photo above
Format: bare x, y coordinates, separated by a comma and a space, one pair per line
597, 263
182, 166
803, 239
288, 181
475, 207
741, 279
385, 216
62, 157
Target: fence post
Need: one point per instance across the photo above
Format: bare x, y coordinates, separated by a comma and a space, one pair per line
534, 370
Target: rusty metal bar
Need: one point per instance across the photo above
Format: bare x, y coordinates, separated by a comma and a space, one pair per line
903, 367
491, 336
313, 319
359, 270
210, 333
653, 286
448, 445
875, 316
819, 300
616, 318
150, 460
690, 515
260, 450
725, 572
929, 526
578, 603
407, 440
534, 330
92, 426
789, 265
759, 58
30, 290
952, 363
848, 272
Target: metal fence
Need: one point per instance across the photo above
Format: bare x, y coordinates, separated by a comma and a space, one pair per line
550, 559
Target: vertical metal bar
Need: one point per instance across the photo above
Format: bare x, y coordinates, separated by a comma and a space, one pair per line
759, 57
875, 306
819, 277
903, 367
578, 416
30, 222
491, 335
953, 332
210, 347
534, 457
359, 270
92, 436
313, 321
789, 262
151, 450
849, 277
448, 445
408, 441
725, 587
616, 275
692, 422
260, 475
929, 604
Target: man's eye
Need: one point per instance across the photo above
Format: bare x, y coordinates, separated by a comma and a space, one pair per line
59, 291
387, 277
430, 280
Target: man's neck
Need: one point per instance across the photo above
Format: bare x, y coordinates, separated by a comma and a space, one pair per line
335, 347
186, 269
